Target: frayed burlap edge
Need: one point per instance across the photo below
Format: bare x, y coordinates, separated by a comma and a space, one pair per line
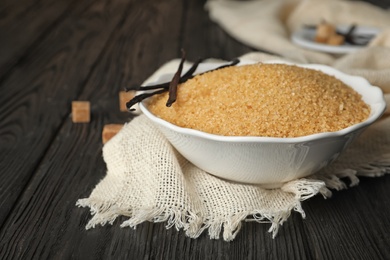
194, 225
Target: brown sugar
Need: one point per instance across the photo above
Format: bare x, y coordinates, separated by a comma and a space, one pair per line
326, 33
273, 100
336, 39
81, 112
325, 29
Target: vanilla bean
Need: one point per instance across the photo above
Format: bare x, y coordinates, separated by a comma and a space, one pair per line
164, 85
187, 76
141, 97
175, 81
349, 34
232, 63
350, 30
191, 71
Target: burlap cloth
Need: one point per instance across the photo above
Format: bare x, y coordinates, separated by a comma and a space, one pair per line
147, 180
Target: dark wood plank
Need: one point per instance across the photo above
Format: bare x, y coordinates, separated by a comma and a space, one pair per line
45, 222
37, 228
23, 24
36, 96
380, 3
353, 223
204, 41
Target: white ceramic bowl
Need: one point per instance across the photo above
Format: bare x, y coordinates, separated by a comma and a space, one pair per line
267, 160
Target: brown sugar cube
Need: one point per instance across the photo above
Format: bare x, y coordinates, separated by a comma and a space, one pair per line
81, 111
109, 131
324, 31
125, 97
320, 39
336, 39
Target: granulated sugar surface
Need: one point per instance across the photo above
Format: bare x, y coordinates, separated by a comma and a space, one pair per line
273, 100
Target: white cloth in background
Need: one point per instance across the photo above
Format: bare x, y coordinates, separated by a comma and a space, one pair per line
268, 24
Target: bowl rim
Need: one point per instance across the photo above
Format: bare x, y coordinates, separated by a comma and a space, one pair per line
378, 106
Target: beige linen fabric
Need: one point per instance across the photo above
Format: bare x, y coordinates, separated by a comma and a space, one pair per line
147, 180
268, 24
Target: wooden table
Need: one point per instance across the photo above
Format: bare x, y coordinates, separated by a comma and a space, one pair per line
54, 52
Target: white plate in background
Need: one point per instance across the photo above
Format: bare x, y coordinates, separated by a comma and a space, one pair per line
305, 38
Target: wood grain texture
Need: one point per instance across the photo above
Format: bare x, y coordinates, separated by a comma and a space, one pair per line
40, 240
350, 224
35, 98
25, 23
47, 162
203, 41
